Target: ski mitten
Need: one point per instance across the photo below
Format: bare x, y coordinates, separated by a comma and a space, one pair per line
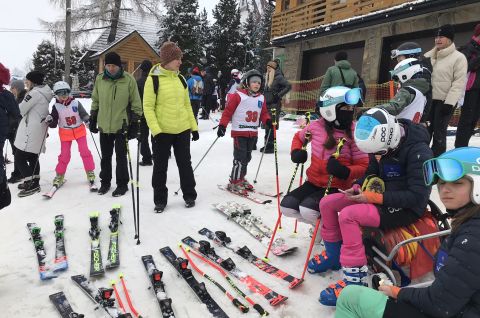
335, 168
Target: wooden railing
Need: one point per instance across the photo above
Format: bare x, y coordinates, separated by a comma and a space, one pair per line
317, 12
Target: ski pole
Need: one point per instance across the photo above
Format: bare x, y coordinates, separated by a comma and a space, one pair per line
127, 295
125, 134
261, 158
138, 186
95, 143
341, 141
117, 296
208, 150
6, 150
234, 300
274, 124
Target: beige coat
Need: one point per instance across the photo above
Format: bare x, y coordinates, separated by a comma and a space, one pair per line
449, 74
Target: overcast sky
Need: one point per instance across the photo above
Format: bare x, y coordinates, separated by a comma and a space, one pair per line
21, 32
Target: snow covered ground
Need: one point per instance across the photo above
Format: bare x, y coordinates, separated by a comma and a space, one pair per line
22, 294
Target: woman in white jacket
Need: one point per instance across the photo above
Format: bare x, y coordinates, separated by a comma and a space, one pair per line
449, 77
32, 131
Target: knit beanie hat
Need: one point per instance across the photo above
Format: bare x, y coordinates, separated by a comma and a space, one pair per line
476, 31
146, 65
447, 31
273, 64
36, 77
19, 85
169, 51
113, 58
196, 70
340, 56
4, 75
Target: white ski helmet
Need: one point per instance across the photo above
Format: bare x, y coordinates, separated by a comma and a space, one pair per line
333, 97
404, 70
377, 132
235, 73
61, 86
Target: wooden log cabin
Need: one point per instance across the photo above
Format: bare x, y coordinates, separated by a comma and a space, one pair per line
306, 34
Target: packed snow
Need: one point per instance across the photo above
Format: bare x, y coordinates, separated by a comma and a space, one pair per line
23, 294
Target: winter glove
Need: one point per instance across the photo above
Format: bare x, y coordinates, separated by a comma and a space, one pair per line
299, 156
275, 97
93, 125
134, 130
195, 135
49, 119
335, 168
268, 124
221, 130
446, 109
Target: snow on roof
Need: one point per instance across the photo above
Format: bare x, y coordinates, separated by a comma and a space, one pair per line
326, 27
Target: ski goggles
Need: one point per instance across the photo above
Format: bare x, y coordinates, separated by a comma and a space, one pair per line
447, 169
394, 73
62, 92
396, 53
351, 97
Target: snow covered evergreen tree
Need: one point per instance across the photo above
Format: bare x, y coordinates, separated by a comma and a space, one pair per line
264, 38
204, 38
49, 61
84, 71
250, 33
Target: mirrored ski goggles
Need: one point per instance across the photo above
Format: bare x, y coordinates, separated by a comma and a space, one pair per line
351, 97
447, 169
395, 53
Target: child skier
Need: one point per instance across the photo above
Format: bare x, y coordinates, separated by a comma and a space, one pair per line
403, 147
456, 288
336, 108
245, 108
70, 116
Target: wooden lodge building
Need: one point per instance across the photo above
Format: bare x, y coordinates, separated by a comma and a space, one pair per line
306, 34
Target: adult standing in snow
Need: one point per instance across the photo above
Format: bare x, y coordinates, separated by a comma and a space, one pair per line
448, 84
17, 87
208, 88
171, 121
341, 74
32, 131
116, 109
145, 68
195, 90
276, 86
471, 106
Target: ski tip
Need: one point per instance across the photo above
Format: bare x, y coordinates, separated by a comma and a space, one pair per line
260, 310
296, 282
278, 300
117, 206
94, 214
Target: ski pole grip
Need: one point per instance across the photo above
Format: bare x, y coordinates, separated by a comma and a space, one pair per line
260, 310
239, 305
274, 115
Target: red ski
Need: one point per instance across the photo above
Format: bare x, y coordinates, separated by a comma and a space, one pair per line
246, 196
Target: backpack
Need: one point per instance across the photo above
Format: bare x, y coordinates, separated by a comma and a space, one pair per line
197, 88
156, 83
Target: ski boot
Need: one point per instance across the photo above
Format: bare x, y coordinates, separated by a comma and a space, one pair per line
31, 187
58, 180
91, 181
237, 187
329, 259
351, 276
160, 207
247, 185
189, 203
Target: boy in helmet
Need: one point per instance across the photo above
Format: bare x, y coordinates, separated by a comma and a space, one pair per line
246, 108
69, 114
403, 147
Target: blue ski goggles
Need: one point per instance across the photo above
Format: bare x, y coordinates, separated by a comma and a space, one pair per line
351, 97
447, 169
396, 53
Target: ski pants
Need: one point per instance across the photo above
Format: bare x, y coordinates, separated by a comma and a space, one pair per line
242, 154
109, 142
468, 118
144, 144
195, 107
269, 135
440, 115
16, 172
303, 203
363, 302
162, 144
65, 154
28, 164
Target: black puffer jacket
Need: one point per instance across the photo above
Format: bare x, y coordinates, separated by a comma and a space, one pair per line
456, 289
275, 92
402, 172
9, 113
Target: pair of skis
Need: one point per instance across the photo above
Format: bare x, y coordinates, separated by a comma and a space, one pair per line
113, 258
60, 261
242, 215
49, 194
249, 195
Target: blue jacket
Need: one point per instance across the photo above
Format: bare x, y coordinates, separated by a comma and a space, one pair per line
190, 83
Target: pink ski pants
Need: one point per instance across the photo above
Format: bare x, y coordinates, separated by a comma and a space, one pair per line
64, 157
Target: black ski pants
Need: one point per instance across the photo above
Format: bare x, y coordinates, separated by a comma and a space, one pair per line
242, 154
400, 309
144, 144
195, 107
162, 143
16, 172
27, 163
440, 115
468, 118
109, 142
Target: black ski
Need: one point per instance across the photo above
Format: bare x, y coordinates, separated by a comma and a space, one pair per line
63, 306
113, 259
181, 265
158, 286
45, 271
96, 265
102, 296
61, 262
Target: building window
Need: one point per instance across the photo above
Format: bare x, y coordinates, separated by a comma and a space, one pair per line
286, 4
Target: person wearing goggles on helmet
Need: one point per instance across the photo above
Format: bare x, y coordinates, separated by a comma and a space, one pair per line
403, 147
456, 288
246, 108
69, 114
234, 82
336, 109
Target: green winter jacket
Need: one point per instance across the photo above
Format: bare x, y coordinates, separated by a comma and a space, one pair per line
404, 97
169, 111
110, 99
334, 78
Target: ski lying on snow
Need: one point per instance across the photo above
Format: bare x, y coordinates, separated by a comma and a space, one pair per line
242, 215
96, 265
113, 258
181, 265
61, 262
205, 249
45, 271
246, 196
63, 306
221, 239
158, 286
53, 190
267, 194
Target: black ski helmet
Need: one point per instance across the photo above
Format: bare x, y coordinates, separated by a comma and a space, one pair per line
246, 77
407, 49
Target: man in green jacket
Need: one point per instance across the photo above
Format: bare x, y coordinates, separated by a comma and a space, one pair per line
169, 116
341, 74
116, 109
